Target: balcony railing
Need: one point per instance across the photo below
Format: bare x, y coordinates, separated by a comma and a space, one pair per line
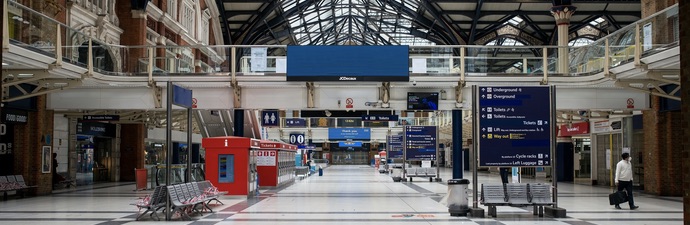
31, 30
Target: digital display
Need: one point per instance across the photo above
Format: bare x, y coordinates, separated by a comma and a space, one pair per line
226, 168
422, 100
348, 63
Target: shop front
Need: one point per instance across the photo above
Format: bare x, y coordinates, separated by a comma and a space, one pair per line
95, 152
579, 135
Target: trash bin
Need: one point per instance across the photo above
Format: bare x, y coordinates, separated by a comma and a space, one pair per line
320, 171
458, 205
397, 175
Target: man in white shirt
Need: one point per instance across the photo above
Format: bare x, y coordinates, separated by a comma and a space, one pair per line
624, 179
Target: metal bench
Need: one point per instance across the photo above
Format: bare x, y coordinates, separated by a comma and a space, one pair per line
540, 196
155, 201
421, 172
516, 195
493, 195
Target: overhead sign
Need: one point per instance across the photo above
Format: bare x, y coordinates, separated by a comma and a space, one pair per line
377, 118
604, 126
270, 118
420, 142
100, 117
395, 146
515, 126
96, 129
295, 122
348, 63
574, 129
349, 133
297, 139
343, 144
14, 116
182, 97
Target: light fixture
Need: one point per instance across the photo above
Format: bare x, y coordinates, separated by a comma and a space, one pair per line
25, 75
5, 64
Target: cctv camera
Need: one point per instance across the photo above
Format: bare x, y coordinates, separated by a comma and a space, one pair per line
414, 83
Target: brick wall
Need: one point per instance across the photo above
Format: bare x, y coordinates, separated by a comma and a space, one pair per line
132, 149
685, 94
29, 140
134, 34
662, 166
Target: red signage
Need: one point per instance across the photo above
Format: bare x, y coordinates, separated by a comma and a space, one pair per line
631, 103
349, 102
574, 129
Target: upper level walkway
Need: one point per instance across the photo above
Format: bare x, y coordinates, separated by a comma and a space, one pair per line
43, 56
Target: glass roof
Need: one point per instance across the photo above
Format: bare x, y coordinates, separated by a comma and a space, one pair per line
355, 22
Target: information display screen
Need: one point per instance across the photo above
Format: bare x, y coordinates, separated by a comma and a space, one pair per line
348, 63
226, 168
422, 100
395, 146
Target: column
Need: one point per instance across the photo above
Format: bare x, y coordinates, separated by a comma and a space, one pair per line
238, 122
562, 11
684, 6
457, 144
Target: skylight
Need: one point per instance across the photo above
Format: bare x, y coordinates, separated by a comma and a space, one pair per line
597, 21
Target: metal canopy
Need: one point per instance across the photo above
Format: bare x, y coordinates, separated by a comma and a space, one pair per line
413, 22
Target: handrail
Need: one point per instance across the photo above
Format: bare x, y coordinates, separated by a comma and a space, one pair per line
590, 62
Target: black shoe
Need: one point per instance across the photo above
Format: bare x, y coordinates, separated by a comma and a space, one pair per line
618, 207
634, 207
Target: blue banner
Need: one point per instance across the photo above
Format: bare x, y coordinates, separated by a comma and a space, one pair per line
295, 122
348, 63
395, 146
182, 97
349, 133
420, 142
375, 118
514, 126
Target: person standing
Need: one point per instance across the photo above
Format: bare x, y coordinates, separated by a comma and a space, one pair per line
624, 179
504, 174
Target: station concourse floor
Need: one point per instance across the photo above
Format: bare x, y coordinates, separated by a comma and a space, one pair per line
345, 194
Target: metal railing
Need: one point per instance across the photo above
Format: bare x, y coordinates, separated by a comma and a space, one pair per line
32, 30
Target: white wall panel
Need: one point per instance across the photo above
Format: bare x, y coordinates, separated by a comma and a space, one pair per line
274, 98
177, 136
60, 141
133, 98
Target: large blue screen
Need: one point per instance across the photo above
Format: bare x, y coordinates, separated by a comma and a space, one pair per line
348, 63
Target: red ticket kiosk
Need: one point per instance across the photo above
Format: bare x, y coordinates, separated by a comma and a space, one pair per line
231, 164
275, 162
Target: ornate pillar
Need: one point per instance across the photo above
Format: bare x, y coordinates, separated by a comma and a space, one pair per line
562, 11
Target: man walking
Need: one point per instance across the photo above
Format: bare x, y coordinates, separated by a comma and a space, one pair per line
624, 179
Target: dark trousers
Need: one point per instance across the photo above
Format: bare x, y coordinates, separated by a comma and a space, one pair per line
627, 185
504, 175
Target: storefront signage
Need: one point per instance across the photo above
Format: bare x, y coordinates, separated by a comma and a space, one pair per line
420, 142
14, 116
573, 129
349, 133
96, 129
605, 126
514, 126
266, 158
6, 146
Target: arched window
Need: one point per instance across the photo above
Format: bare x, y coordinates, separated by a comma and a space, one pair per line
580, 42
188, 17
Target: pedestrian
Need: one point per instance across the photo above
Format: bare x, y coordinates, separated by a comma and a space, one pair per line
504, 174
624, 179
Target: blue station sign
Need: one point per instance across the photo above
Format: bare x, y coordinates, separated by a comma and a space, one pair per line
344, 144
295, 122
420, 142
395, 146
378, 118
349, 133
514, 126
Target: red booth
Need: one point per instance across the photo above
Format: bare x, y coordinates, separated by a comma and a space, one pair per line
231, 164
275, 163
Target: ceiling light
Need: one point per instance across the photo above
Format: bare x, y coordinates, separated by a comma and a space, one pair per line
25, 75
5, 64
